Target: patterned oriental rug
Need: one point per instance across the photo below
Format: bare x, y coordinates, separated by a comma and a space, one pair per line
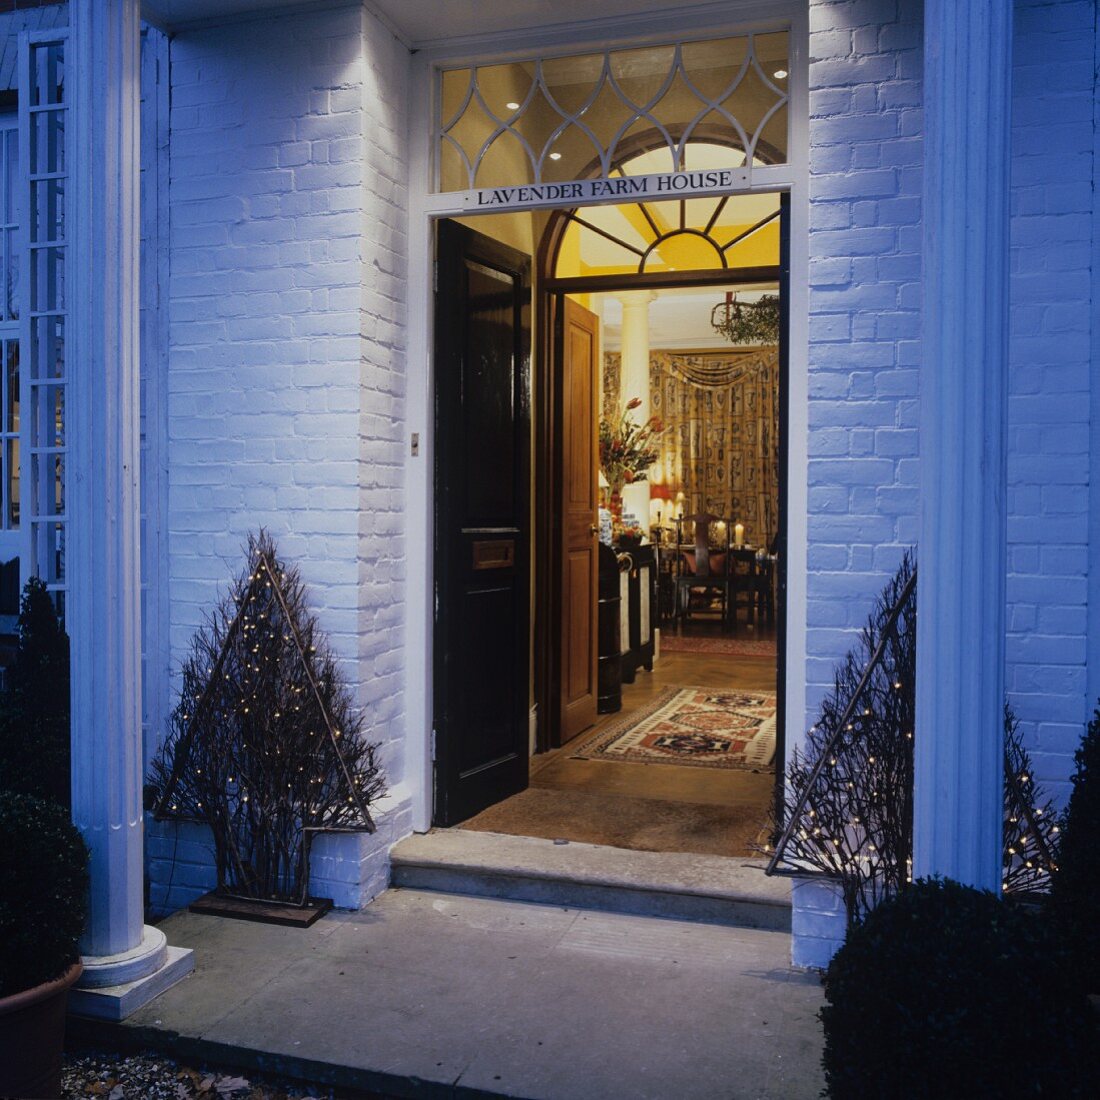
697, 727
736, 647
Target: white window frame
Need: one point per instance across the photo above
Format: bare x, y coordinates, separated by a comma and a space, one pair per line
41, 530
425, 206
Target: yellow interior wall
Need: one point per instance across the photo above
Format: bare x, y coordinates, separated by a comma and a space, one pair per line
687, 253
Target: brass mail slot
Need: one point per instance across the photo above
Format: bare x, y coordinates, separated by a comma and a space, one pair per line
498, 554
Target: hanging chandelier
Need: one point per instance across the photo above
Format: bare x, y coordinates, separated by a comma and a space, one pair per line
747, 322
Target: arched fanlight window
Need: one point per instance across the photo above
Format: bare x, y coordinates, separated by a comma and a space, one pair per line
724, 232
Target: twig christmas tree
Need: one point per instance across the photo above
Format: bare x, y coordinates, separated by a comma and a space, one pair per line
848, 797
264, 745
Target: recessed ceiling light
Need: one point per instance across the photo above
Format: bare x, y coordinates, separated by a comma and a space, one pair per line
555, 156
515, 106
779, 74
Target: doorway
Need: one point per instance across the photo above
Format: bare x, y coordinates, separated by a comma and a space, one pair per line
637, 804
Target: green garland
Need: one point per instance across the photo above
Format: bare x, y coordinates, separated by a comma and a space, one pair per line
748, 322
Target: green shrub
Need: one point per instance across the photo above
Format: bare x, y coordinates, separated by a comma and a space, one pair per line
946, 991
1075, 889
43, 892
34, 710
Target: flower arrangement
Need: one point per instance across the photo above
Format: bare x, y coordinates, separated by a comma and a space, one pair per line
627, 447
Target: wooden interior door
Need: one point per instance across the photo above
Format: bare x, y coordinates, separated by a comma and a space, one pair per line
579, 349
482, 518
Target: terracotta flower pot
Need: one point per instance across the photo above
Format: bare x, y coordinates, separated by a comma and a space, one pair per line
32, 1037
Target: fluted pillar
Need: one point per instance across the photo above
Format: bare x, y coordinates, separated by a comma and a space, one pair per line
103, 611
961, 590
634, 383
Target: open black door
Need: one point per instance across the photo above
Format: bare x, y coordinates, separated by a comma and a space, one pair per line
482, 519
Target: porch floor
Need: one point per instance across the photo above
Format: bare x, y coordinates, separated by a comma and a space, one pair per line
427, 994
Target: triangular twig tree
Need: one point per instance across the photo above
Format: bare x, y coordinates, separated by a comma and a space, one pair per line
265, 746
848, 796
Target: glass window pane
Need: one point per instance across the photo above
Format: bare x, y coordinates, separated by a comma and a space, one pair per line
47, 278
48, 426
566, 118
47, 73
47, 348
12, 472
11, 386
48, 141
47, 210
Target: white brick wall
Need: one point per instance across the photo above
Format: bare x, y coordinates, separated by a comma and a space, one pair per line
1053, 199
865, 268
286, 373
865, 159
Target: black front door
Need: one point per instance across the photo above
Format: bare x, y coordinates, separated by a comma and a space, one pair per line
482, 520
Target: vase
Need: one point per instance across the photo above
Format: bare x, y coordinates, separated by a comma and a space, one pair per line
32, 1036
615, 505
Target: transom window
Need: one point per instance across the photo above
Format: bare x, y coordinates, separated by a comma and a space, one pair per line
570, 118
689, 234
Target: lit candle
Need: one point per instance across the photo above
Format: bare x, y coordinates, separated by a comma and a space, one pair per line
738, 535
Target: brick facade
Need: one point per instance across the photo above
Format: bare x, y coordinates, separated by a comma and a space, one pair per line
285, 382
286, 377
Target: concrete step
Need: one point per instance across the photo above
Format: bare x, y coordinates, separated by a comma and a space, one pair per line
677, 885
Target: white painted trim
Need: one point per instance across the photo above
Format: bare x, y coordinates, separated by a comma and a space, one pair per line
692, 21
798, 383
419, 531
424, 208
150, 15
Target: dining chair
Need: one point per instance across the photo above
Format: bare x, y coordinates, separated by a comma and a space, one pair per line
701, 567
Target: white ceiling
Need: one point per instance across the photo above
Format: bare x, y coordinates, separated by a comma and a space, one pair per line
679, 319
420, 22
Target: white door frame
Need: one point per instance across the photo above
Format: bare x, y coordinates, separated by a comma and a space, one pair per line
737, 16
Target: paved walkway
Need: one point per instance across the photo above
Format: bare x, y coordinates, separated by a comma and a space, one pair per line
430, 994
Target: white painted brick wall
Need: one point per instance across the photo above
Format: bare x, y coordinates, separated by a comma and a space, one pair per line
865, 267
1053, 199
818, 922
865, 158
286, 372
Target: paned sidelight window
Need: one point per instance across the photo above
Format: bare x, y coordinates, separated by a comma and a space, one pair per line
43, 110
556, 119
9, 323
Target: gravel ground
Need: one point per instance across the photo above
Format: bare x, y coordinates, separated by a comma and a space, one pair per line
115, 1076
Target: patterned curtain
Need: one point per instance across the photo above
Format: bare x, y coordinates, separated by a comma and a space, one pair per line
721, 443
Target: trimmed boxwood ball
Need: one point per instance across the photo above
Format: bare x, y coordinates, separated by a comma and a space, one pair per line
43, 892
947, 991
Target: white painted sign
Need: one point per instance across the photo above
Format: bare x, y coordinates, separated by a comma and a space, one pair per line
654, 188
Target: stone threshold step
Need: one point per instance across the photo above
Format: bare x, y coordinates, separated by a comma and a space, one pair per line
677, 885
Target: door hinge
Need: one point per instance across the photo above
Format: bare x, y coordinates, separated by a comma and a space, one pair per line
433, 744
435, 277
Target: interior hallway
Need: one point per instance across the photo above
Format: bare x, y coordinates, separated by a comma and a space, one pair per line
648, 807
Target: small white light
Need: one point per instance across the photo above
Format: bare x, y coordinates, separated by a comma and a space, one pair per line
512, 106
555, 156
780, 74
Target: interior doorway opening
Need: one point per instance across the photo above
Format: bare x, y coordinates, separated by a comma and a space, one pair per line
687, 760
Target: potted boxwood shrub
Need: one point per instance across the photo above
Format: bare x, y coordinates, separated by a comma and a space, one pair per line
43, 899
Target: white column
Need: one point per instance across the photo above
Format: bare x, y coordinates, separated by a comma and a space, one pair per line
634, 382
103, 612
961, 591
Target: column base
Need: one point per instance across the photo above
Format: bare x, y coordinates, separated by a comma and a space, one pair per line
114, 986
